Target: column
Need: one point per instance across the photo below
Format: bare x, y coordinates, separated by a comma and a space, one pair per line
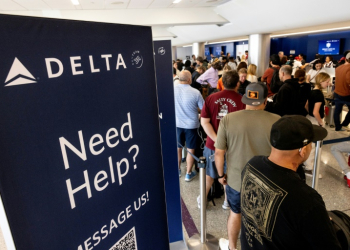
198, 49
173, 52
259, 52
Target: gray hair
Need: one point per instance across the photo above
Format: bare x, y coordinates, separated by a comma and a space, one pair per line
287, 69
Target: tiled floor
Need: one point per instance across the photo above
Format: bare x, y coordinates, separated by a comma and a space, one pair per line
332, 187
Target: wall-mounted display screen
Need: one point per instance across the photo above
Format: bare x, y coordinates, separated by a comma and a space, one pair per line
328, 47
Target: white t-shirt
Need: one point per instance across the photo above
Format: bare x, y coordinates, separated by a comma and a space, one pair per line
313, 73
328, 65
296, 66
252, 78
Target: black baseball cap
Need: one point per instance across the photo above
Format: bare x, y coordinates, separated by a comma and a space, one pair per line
255, 94
294, 132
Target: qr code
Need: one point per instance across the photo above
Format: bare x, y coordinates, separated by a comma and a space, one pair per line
127, 242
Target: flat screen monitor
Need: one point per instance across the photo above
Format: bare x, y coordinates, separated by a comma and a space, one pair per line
329, 47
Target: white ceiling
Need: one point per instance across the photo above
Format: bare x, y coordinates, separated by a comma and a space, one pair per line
196, 20
21, 5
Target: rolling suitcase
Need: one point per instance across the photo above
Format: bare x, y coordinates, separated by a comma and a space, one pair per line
329, 114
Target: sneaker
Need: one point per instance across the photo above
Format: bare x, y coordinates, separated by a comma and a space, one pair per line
183, 159
225, 205
341, 129
179, 172
310, 173
199, 201
223, 243
189, 177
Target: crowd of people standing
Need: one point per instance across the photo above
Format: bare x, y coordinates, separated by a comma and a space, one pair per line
251, 122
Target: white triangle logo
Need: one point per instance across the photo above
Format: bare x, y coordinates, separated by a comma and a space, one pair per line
18, 69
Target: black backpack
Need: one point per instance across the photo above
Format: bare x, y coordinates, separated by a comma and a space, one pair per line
276, 83
341, 224
216, 191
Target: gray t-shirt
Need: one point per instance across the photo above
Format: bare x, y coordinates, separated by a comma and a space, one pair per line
244, 134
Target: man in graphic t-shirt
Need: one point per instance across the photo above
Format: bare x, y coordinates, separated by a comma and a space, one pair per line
279, 210
216, 107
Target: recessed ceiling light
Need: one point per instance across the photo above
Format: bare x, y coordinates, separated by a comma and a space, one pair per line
177, 1
310, 31
75, 2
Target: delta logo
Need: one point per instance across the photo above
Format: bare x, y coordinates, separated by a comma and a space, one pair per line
20, 75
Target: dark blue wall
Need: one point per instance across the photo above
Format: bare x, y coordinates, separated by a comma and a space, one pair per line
308, 44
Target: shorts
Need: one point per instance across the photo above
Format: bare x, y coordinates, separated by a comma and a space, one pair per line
233, 199
210, 166
187, 135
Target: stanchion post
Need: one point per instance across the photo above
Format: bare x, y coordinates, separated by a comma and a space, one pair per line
203, 198
203, 241
317, 164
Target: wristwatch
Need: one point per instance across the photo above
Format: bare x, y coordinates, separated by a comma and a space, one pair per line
221, 176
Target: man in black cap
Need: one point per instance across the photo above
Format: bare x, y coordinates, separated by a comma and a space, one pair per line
241, 135
279, 211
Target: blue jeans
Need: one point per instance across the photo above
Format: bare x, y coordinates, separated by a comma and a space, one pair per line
340, 101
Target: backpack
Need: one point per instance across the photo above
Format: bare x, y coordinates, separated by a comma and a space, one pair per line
216, 191
276, 83
341, 224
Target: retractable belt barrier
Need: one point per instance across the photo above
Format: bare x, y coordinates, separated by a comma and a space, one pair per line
317, 161
203, 241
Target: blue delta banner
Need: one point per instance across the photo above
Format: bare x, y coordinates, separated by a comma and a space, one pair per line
165, 88
80, 162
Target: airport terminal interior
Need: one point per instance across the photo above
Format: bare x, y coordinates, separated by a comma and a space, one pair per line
219, 32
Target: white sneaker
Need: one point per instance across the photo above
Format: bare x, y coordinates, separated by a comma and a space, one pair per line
310, 173
199, 201
225, 205
223, 243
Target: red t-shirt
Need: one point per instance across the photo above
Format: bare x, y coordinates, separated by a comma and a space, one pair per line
218, 105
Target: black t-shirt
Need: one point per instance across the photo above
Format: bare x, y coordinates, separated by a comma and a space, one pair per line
279, 211
194, 83
316, 95
243, 86
304, 93
190, 69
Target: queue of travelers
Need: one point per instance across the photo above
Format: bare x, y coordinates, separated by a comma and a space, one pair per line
263, 169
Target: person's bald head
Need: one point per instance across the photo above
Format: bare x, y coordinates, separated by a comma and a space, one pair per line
185, 77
